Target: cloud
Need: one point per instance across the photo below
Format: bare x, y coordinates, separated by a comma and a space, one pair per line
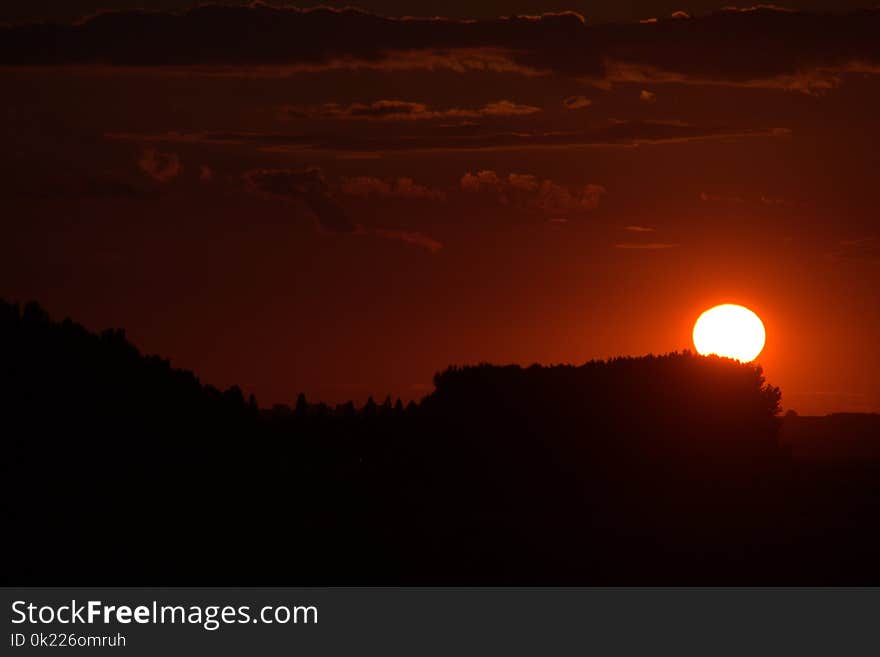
614, 134
309, 187
760, 47
760, 7
527, 191
813, 82
643, 233
399, 188
410, 237
305, 185
647, 96
576, 102
400, 110
474, 182
508, 108
161, 167
645, 246
525, 182
772, 201
554, 199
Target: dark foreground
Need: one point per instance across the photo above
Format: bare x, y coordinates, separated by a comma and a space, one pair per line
118, 469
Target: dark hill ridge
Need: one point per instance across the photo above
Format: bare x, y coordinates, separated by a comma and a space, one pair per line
654, 470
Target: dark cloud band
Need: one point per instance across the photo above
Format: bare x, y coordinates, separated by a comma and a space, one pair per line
732, 46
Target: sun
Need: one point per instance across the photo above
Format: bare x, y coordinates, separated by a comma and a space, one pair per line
731, 331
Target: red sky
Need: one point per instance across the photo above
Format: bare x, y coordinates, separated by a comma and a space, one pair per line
344, 203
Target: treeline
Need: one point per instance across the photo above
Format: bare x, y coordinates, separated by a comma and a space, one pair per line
118, 468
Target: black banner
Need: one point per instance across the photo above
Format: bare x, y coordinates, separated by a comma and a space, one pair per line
411, 621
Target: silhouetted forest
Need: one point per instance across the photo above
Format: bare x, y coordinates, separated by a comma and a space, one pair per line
675, 469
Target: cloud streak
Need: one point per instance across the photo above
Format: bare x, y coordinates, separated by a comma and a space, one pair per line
576, 102
614, 134
645, 246
410, 237
399, 110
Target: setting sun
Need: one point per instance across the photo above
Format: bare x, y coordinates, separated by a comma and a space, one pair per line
731, 331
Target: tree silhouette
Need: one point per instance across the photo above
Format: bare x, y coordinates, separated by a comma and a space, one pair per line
653, 470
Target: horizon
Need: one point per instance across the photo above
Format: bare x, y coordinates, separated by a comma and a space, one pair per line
361, 403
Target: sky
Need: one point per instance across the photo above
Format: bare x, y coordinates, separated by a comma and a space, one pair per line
598, 11
343, 202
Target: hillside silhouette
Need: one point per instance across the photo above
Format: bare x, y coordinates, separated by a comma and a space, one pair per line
118, 468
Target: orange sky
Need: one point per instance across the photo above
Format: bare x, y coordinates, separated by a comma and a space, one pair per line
502, 193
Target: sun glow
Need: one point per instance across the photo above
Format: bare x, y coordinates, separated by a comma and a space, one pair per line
731, 331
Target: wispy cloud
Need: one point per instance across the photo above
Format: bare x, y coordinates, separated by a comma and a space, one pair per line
734, 199
530, 192
309, 187
400, 110
410, 237
395, 188
304, 185
619, 134
576, 102
645, 246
